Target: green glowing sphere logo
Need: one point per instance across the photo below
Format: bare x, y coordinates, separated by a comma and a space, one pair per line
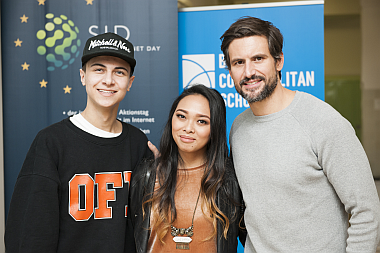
61, 49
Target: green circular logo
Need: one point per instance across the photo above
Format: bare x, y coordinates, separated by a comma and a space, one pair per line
61, 42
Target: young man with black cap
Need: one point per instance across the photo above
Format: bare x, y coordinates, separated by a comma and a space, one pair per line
72, 192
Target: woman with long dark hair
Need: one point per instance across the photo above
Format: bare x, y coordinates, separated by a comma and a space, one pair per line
189, 197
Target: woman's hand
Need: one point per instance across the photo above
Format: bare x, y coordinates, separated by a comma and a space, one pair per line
153, 148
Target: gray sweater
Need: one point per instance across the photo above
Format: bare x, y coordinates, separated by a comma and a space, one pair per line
302, 171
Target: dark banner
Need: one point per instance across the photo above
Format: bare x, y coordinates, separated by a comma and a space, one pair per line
42, 43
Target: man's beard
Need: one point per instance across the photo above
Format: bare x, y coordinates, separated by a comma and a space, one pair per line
265, 93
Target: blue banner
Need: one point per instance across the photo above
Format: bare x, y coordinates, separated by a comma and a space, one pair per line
42, 43
202, 61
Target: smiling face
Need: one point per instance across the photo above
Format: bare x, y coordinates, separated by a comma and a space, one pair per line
253, 69
107, 80
191, 125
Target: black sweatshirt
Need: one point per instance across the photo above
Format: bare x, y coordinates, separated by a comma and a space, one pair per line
72, 192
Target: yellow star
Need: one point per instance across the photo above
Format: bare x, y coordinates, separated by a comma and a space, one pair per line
43, 83
67, 89
89, 2
25, 66
17, 42
24, 19
41, 2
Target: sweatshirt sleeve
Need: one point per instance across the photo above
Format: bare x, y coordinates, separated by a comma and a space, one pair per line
33, 218
346, 166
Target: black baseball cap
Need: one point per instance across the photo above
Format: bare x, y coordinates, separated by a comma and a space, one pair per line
109, 44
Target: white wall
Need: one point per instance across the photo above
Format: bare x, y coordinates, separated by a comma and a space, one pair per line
370, 21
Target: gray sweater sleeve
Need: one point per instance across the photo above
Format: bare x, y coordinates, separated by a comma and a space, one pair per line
346, 166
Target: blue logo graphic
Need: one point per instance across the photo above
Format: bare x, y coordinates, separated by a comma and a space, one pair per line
198, 68
60, 38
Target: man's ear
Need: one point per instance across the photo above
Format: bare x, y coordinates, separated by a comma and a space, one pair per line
82, 74
280, 62
131, 79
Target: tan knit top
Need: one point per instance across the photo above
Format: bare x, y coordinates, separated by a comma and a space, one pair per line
188, 185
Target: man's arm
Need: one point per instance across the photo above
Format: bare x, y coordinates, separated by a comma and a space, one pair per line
33, 218
346, 165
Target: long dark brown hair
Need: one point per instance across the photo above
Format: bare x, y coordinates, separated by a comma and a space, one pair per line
217, 152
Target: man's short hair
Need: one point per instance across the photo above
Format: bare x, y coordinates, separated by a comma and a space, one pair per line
251, 26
